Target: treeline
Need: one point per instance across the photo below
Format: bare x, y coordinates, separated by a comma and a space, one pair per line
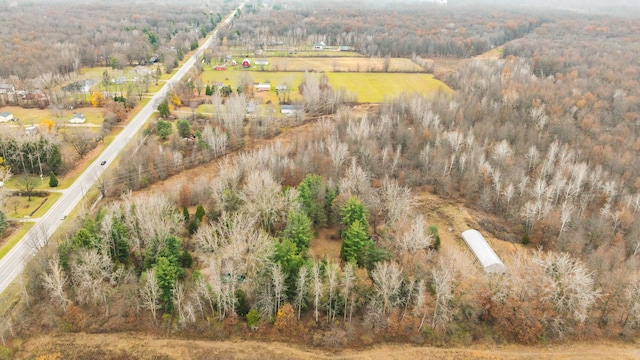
31, 155
397, 29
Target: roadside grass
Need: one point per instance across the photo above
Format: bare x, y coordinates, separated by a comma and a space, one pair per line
8, 299
67, 180
13, 239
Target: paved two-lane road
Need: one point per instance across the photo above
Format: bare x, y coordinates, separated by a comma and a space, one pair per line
12, 263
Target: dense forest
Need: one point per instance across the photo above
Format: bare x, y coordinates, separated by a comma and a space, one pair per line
43, 39
543, 141
395, 29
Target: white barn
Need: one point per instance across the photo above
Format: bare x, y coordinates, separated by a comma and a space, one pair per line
490, 262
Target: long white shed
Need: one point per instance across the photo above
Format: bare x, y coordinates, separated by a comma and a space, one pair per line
490, 262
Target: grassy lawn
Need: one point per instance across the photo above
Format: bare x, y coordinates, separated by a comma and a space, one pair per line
12, 240
19, 206
29, 117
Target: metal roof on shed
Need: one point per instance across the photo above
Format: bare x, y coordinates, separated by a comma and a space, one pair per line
490, 262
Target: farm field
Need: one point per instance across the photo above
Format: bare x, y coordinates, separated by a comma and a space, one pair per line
368, 87
342, 64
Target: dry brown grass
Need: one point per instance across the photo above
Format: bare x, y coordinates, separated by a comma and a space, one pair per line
343, 64
141, 346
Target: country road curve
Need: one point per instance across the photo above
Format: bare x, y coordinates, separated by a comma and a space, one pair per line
12, 263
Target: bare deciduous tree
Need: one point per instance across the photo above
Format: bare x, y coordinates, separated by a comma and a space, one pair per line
54, 280
301, 289
387, 282
317, 289
442, 283
150, 292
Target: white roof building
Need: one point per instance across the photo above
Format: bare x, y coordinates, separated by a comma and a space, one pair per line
490, 262
77, 118
6, 116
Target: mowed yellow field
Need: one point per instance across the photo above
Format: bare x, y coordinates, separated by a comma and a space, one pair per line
368, 87
376, 87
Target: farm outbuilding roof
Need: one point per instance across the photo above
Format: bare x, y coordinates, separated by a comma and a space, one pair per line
490, 262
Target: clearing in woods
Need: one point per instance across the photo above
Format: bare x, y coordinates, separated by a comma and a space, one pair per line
367, 87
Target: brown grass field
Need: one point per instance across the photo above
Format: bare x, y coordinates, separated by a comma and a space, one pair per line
342, 64
142, 346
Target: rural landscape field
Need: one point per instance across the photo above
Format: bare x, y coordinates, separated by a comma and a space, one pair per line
286, 179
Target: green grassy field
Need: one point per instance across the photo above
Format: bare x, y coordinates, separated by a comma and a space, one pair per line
368, 87
24, 208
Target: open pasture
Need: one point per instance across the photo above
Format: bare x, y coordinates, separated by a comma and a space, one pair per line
342, 64
368, 87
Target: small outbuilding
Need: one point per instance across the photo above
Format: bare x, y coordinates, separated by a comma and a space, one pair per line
6, 116
260, 87
291, 109
246, 63
490, 262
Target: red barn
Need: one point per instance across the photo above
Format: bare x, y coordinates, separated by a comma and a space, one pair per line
246, 63
220, 67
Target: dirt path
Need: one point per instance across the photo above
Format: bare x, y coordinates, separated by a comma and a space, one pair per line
140, 346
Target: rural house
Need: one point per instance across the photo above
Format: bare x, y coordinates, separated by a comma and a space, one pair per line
319, 45
261, 62
6, 88
77, 118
